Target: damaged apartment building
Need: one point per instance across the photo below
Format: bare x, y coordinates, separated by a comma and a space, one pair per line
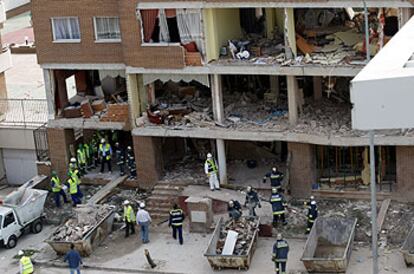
258, 84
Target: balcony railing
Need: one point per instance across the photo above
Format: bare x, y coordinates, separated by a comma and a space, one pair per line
23, 112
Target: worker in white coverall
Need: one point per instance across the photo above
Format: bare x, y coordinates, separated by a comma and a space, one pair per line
211, 170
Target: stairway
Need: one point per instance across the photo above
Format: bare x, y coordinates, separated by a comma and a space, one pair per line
162, 200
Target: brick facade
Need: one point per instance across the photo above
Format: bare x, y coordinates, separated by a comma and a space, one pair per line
302, 169
59, 141
405, 173
149, 160
129, 52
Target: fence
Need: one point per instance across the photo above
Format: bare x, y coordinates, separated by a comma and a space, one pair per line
23, 112
41, 143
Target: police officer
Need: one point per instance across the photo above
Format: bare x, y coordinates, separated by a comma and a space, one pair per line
312, 215
57, 189
252, 201
120, 159
278, 207
176, 222
26, 265
129, 218
280, 254
234, 210
132, 167
105, 153
275, 177
81, 156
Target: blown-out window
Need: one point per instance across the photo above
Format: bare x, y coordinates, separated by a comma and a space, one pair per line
66, 29
107, 29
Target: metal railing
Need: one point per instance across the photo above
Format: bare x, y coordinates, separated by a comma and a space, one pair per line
41, 143
23, 112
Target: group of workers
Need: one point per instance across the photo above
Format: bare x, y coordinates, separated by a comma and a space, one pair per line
143, 219
88, 157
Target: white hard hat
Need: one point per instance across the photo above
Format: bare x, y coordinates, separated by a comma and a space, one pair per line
126, 202
274, 169
231, 203
73, 160
274, 190
312, 197
313, 203
249, 188
209, 155
141, 205
103, 140
129, 147
20, 253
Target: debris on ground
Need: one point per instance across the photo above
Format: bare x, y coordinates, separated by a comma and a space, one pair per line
87, 217
245, 229
134, 196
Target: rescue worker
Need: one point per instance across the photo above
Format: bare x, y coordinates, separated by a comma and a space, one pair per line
73, 165
176, 222
120, 159
81, 157
234, 210
75, 174
280, 254
105, 153
57, 189
211, 170
88, 155
275, 177
312, 215
132, 167
307, 203
73, 190
252, 201
278, 207
94, 151
129, 218
26, 265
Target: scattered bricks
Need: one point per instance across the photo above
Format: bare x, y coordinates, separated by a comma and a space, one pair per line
86, 109
116, 113
72, 112
98, 105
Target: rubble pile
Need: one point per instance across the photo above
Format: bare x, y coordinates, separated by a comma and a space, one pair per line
245, 228
397, 224
75, 228
189, 169
134, 196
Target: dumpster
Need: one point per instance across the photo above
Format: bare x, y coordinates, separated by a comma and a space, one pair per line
241, 257
329, 245
90, 239
407, 248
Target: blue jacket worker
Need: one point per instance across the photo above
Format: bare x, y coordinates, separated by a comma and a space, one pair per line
176, 222
280, 254
74, 260
275, 177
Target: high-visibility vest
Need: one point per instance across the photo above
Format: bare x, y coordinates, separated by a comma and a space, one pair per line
27, 266
81, 156
105, 151
87, 150
212, 167
129, 215
73, 186
56, 185
177, 217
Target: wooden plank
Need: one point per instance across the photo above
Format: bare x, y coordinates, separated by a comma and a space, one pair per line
103, 192
230, 243
382, 213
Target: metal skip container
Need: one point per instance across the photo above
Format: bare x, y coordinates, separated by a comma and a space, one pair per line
329, 245
218, 261
408, 248
90, 239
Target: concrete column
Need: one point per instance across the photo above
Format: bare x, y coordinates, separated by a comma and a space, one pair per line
302, 169
405, 15
292, 89
133, 96
290, 33
217, 98
221, 157
50, 92
317, 88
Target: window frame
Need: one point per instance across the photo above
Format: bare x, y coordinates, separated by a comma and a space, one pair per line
63, 41
97, 40
6, 220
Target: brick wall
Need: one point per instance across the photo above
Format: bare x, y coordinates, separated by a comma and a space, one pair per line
405, 173
149, 161
129, 51
59, 141
302, 169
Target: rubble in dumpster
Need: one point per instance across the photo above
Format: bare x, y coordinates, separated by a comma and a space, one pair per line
245, 229
87, 217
